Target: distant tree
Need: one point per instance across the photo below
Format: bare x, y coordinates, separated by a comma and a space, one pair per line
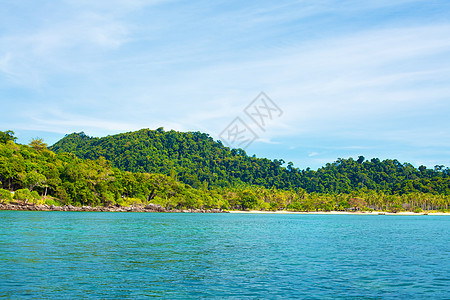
439, 168
361, 159
38, 144
249, 200
35, 197
357, 203
23, 195
7, 136
5, 195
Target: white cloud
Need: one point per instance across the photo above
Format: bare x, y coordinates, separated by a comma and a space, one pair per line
312, 154
331, 84
267, 141
4, 62
65, 122
124, 65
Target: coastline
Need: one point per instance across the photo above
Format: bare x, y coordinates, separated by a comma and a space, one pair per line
359, 213
159, 208
147, 208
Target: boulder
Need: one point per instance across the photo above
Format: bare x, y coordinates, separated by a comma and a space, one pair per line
155, 207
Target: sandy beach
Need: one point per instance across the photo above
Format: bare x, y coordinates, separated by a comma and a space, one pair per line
404, 213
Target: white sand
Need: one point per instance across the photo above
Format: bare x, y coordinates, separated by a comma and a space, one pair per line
404, 213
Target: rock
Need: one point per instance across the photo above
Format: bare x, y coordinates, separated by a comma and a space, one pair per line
155, 207
117, 208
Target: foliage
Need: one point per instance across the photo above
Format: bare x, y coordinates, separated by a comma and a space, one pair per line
31, 172
196, 159
23, 195
192, 171
357, 203
38, 144
52, 201
5, 195
7, 136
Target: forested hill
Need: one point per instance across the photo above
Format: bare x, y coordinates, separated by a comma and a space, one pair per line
196, 159
193, 157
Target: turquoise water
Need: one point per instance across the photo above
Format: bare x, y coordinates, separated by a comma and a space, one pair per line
74, 255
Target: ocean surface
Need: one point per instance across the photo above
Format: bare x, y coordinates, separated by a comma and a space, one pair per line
72, 255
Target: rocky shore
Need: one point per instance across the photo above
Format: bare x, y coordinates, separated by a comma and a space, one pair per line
147, 208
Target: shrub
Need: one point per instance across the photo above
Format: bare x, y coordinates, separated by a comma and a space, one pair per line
52, 201
131, 202
395, 208
418, 210
5, 195
23, 194
266, 206
35, 197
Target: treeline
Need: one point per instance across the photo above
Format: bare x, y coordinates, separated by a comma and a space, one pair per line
299, 200
38, 175
66, 179
196, 159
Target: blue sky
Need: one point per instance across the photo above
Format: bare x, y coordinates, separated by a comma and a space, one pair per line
353, 78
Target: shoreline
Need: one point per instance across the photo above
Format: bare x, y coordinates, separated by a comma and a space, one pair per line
358, 213
159, 208
147, 208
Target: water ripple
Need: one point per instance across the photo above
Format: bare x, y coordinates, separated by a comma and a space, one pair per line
179, 256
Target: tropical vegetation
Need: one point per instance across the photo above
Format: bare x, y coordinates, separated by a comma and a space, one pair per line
191, 170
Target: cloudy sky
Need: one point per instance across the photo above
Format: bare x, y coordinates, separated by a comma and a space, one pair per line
352, 78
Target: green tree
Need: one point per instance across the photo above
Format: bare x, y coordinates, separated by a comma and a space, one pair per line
5, 195
23, 195
38, 144
7, 136
34, 179
248, 200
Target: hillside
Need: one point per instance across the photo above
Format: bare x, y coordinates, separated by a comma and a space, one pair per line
193, 157
196, 159
38, 175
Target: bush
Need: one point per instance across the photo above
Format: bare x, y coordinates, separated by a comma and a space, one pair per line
35, 197
395, 208
62, 195
52, 201
265, 206
5, 195
130, 201
23, 194
418, 210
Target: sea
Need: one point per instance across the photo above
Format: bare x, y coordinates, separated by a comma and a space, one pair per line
95, 255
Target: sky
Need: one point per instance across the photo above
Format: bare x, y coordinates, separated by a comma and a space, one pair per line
350, 78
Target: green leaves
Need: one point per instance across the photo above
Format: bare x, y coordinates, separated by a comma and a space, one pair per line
196, 159
190, 170
7, 136
38, 144
5, 195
